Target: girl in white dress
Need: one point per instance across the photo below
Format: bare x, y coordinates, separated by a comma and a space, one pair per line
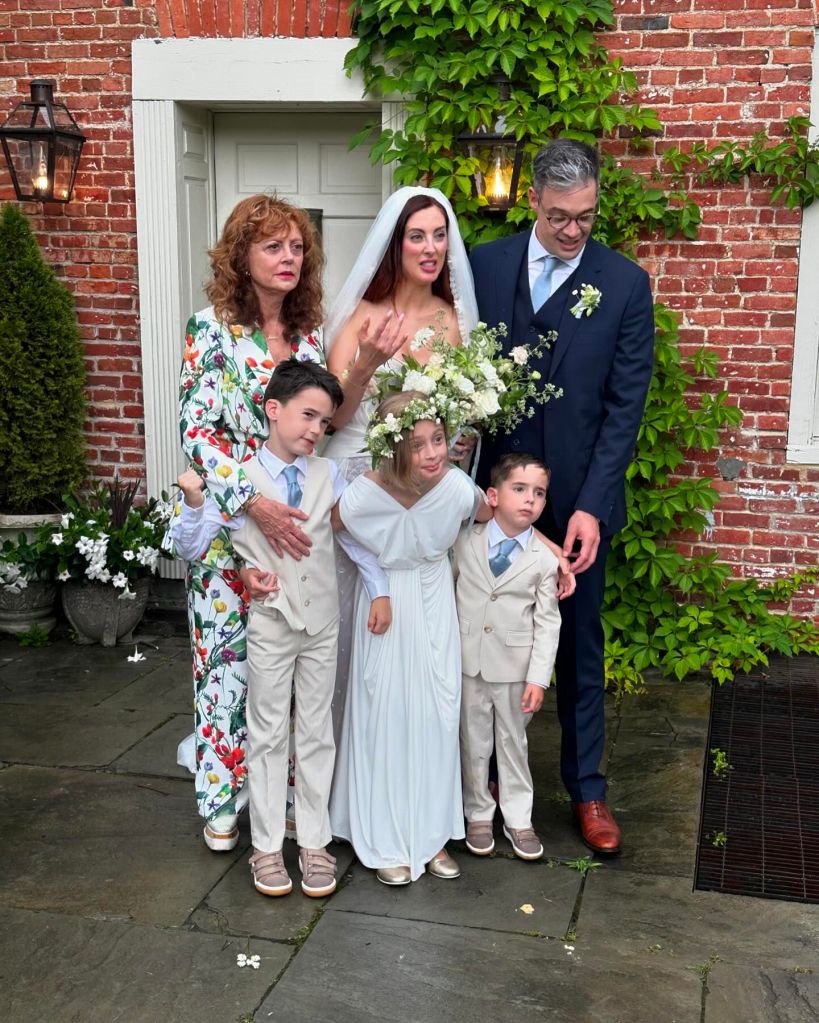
397, 789
412, 273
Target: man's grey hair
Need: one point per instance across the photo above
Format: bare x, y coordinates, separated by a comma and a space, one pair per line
565, 164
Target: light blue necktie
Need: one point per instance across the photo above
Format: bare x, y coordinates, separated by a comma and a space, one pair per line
500, 562
542, 289
294, 491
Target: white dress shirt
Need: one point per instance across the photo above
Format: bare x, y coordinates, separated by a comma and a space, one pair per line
494, 536
563, 270
193, 530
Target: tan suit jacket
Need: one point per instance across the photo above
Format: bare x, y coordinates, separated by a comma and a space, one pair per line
509, 624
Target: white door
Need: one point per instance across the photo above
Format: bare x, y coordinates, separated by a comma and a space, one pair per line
304, 158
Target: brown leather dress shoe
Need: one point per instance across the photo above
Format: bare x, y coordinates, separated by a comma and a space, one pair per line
597, 826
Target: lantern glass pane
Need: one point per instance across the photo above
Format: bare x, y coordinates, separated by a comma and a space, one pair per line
496, 164
67, 155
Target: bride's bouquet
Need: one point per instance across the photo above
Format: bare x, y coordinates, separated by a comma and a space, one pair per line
472, 386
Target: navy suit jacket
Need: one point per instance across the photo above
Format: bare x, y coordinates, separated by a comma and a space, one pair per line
603, 362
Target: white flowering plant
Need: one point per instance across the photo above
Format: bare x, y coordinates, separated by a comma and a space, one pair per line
107, 538
472, 385
25, 559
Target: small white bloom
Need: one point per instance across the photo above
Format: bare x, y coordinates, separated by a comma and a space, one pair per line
415, 381
127, 594
56, 539
520, 355
128, 555
64, 576
464, 384
421, 338
391, 424
65, 521
120, 580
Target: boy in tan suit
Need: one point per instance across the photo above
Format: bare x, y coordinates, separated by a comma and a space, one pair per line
506, 593
293, 632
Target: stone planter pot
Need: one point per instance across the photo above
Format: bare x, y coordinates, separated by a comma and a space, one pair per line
12, 525
32, 606
97, 615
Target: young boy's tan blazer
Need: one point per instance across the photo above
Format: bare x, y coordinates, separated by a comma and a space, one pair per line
510, 624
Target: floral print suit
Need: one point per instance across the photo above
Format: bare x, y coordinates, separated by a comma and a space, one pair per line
222, 423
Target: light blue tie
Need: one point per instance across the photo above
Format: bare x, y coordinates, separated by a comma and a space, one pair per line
294, 491
542, 289
500, 562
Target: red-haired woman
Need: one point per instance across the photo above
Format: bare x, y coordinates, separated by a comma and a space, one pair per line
265, 295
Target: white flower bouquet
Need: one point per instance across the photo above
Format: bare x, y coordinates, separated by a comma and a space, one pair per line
473, 385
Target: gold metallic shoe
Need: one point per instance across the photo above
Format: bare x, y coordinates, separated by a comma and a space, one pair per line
393, 875
442, 865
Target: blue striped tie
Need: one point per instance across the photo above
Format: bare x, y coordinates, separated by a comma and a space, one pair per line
500, 562
294, 491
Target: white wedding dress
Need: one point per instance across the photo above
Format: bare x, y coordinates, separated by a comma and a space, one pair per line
397, 788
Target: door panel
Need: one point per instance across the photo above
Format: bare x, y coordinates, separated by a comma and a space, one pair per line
304, 158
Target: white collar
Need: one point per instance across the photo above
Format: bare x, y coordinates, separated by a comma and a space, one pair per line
275, 466
496, 534
537, 251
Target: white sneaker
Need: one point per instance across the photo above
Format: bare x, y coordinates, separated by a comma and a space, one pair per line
221, 832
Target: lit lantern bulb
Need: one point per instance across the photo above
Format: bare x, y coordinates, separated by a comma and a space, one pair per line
40, 181
497, 190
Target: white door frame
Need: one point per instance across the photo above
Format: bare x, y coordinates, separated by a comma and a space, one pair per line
226, 74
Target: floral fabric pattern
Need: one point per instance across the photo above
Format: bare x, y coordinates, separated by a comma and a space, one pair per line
222, 423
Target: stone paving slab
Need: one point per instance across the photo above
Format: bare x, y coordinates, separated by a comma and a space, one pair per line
357, 968
68, 970
161, 680
638, 912
156, 753
96, 844
234, 906
737, 995
488, 894
74, 736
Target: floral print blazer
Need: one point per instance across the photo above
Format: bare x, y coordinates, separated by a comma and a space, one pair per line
222, 423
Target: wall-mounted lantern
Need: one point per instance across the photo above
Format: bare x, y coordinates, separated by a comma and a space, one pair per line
499, 155
42, 146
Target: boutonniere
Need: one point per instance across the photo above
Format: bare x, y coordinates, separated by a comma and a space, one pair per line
589, 300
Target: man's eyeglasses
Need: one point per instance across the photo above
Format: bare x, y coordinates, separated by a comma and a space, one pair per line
557, 221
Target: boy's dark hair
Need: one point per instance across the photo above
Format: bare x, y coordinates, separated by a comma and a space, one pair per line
506, 464
292, 377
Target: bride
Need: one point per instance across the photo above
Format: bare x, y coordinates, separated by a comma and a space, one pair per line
411, 276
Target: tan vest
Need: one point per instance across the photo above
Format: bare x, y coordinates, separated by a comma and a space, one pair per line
308, 593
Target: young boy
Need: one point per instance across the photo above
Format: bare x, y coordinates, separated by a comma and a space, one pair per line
293, 632
506, 593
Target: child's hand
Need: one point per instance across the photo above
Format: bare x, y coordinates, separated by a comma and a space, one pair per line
190, 483
258, 583
566, 580
380, 616
532, 698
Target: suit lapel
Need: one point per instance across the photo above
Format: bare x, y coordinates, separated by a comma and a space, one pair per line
478, 545
521, 562
506, 280
588, 272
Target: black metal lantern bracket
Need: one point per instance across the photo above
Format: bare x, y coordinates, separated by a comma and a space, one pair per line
42, 145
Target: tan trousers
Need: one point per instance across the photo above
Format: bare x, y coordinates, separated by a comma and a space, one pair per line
491, 718
276, 656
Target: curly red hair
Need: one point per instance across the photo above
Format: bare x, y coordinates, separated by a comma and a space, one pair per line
230, 289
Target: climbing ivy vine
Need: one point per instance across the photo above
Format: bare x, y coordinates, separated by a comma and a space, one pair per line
662, 610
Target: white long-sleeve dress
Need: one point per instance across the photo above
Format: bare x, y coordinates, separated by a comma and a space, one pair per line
397, 788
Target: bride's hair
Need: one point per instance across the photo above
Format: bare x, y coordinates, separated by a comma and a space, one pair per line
390, 272
397, 471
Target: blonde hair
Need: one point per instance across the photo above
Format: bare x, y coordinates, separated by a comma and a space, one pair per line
230, 289
397, 471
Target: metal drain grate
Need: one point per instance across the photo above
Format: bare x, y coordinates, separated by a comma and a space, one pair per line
759, 822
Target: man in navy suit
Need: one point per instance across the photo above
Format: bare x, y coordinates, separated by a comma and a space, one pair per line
602, 358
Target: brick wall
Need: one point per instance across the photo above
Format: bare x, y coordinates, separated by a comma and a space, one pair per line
714, 69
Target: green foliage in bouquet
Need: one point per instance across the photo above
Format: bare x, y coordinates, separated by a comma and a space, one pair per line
42, 402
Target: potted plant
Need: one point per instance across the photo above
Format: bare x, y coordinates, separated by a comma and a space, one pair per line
27, 587
107, 548
42, 403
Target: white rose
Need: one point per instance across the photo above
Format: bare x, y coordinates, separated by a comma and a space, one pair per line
464, 384
520, 355
488, 371
415, 381
486, 403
